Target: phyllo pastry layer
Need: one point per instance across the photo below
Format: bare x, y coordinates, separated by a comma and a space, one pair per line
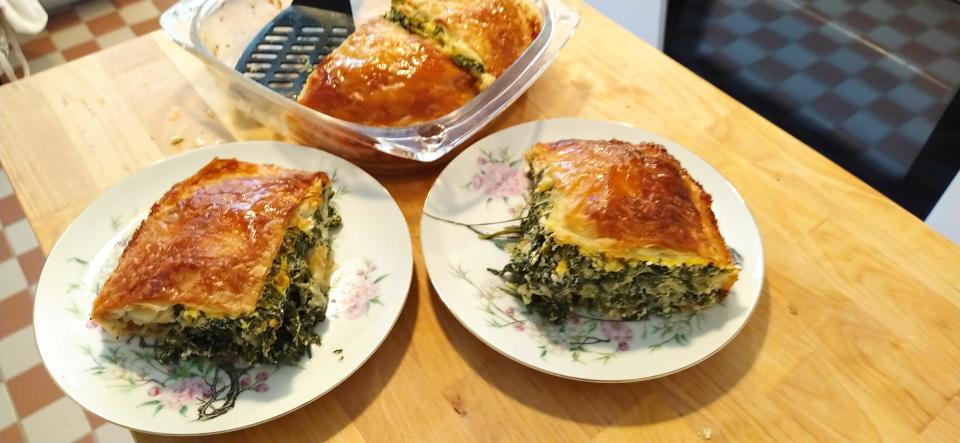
232, 263
421, 61
384, 76
484, 37
619, 228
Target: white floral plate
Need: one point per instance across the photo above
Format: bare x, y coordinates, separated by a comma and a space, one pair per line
486, 183
121, 382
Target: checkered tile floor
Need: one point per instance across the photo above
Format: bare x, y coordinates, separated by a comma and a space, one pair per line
89, 26
863, 80
32, 408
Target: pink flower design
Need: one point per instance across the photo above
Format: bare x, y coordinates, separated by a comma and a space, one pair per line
185, 391
510, 311
153, 391
498, 180
262, 375
362, 291
245, 381
518, 326
354, 287
262, 387
619, 332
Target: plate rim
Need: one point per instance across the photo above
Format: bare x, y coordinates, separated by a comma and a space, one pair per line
761, 264
407, 276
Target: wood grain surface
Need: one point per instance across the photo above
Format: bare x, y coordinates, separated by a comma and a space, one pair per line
856, 336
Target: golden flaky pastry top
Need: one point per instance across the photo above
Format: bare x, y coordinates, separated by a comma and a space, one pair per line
384, 76
210, 241
498, 30
628, 201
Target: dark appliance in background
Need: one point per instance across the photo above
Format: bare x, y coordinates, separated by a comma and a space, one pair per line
870, 84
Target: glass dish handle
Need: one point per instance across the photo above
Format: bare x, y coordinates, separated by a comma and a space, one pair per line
176, 21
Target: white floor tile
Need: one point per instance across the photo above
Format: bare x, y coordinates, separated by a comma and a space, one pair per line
7, 415
72, 36
90, 9
12, 279
111, 433
19, 351
46, 62
116, 36
139, 12
25, 38
60, 421
5, 188
20, 237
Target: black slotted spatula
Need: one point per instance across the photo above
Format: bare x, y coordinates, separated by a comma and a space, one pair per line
287, 48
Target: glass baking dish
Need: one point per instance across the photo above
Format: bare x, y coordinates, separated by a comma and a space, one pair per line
218, 31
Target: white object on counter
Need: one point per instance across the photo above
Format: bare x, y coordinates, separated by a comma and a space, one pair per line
24, 16
945, 216
646, 19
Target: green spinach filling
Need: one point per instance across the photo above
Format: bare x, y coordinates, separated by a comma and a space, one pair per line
553, 278
421, 25
282, 327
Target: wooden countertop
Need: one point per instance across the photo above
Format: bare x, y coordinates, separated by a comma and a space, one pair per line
856, 335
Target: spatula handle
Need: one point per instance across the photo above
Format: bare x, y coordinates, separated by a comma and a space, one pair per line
330, 5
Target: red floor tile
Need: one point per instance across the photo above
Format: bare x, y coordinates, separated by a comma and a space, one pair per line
163, 5
38, 48
32, 264
62, 20
121, 3
32, 390
146, 26
105, 23
94, 420
10, 210
11, 434
5, 251
81, 50
16, 313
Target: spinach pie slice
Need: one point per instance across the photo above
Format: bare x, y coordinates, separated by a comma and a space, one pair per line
483, 37
232, 264
421, 60
619, 228
383, 75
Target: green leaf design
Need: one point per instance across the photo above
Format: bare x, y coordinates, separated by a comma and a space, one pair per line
183, 410
149, 403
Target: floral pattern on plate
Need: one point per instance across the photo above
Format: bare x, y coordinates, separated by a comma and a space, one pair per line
193, 384
468, 228
210, 389
119, 378
580, 337
353, 288
500, 176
